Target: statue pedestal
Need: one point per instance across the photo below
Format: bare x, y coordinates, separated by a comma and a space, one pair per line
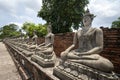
44, 60
20, 49
74, 71
27, 53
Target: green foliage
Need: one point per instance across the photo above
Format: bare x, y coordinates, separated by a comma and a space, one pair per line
63, 14
30, 27
116, 24
9, 31
41, 30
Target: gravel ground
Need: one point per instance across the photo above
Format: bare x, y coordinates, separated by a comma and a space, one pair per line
8, 69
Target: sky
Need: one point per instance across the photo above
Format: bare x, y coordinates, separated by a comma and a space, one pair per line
20, 11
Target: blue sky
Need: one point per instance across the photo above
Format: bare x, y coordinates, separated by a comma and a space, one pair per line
20, 11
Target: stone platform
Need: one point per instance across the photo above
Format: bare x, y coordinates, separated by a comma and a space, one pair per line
74, 71
44, 59
42, 62
28, 53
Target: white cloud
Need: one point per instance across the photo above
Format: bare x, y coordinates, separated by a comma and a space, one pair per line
106, 11
108, 8
29, 11
35, 5
19, 11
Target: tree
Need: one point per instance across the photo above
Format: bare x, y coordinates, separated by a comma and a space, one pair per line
116, 23
29, 28
9, 31
41, 30
63, 14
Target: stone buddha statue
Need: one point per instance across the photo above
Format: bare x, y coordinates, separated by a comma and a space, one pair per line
47, 46
44, 53
90, 41
26, 42
28, 48
85, 63
33, 45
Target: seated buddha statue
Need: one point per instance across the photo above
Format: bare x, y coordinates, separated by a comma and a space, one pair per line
33, 45
26, 42
44, 53
90, 44
47, 46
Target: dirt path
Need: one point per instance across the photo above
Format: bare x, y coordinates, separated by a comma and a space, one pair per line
8, 70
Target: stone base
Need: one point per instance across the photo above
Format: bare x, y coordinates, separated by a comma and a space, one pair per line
27, 53
18, 48
74, 71
31, 50
42, 62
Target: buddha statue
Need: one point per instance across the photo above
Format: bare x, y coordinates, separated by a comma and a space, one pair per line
90, 41
26, 42
33, 45
28, 48
44, 52
47, 46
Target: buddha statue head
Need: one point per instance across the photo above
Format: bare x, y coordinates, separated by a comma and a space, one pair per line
49, 27
88, 18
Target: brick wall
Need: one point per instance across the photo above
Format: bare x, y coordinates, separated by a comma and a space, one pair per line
112, 46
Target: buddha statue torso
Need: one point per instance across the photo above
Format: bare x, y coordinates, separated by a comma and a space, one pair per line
86, 40
48, 39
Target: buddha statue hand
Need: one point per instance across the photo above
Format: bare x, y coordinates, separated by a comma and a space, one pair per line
64, 55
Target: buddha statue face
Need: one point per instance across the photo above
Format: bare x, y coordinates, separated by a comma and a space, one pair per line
88, 18
87, 21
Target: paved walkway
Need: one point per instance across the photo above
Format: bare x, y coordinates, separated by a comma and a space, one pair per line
8, 69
